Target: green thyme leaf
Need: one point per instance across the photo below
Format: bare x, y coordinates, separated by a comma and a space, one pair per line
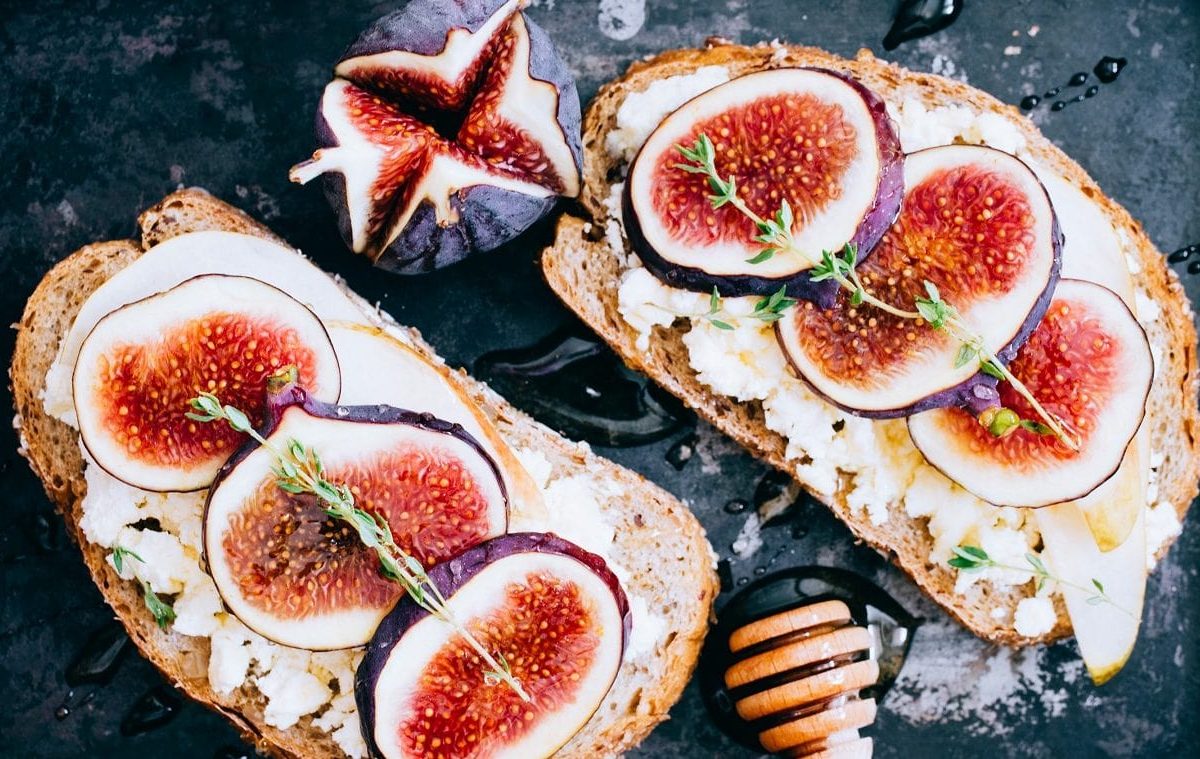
118, 557
856, 297
992, 369
163, 613
966, 352
1036, 427
720, 324
766, 255
714, 301
1098, 585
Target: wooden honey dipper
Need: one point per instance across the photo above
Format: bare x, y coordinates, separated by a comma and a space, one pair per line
796, 678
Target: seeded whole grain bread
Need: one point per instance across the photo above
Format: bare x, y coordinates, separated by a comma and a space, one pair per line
658, 541
581, 268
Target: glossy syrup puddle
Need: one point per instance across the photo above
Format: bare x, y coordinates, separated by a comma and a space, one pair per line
572, 382
920, 18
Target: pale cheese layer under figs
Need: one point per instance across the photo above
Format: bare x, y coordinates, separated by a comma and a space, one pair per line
746, 364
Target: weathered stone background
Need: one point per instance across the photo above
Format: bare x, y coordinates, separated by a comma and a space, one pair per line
109, 105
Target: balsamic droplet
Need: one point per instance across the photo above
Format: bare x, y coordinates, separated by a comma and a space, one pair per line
1183, 253
575, 384
736, 506
1029, 102
1059, 105
760, 571
742, 581
1194, 267
47, 533
918, 18
1078, 98
1091, 92
155, 708
1109, 68
1052, 93
62, 712
1077, 80
100, 657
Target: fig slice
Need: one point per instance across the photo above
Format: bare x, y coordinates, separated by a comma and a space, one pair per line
816, 138
378, 368
300, 578
139, 366
556, 613
978, 225
449, 129
1089, 363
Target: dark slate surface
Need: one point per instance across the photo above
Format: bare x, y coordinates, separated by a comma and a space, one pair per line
107, 106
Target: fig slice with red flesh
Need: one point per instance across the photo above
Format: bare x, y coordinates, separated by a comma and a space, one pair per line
449, 129
978, 225
140, 364
816, 138
378, 368
556, 613
1089, 363
301, 578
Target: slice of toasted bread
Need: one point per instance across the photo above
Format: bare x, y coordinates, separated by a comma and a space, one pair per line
585, 273
658, 541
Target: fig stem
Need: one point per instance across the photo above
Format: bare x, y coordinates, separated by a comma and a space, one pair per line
776, 234
298, 469
971, 558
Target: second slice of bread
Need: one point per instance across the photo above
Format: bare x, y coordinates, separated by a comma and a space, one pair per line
585, 273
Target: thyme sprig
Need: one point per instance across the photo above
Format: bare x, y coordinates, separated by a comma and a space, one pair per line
298, 470
971, 558
775, 233
164, 613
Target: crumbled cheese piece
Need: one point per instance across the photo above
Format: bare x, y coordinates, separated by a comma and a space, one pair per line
1162, 524
291, 693
228, 658
641, 112
743, 363
1005, 546
749, 538
1148, 309
998, 613
163, 562
197, 607
645, 303
1034, 616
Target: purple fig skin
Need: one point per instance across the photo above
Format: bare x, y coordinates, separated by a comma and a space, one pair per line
488, 216
978, 392
293, 394
875, 222
448, 577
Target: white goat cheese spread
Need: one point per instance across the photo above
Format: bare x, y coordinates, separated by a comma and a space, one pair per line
746, 363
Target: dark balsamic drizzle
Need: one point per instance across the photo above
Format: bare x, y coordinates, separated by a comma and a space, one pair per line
919, 18
736, 506
1184, 253
1194, 267
155, 708
574, 383
100, 656
1107, 71
892, 629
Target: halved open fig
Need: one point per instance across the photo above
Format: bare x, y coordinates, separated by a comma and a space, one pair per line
140, 365
378, 368
301, 578
1089, 363
816, 138
556, 613
978, 225
449, 129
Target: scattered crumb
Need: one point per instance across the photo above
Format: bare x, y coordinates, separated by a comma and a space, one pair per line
1156, 50
621, 19
1033, 30
1012, 50
749, 538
